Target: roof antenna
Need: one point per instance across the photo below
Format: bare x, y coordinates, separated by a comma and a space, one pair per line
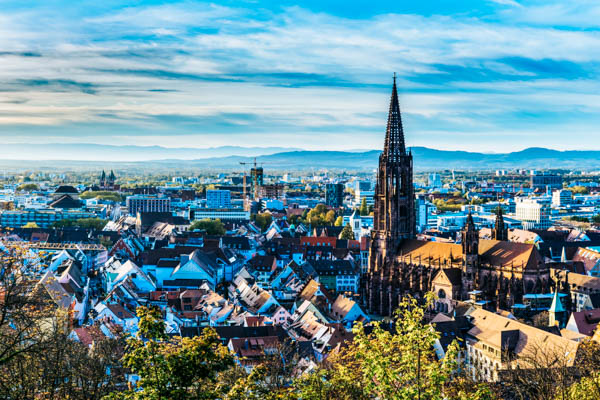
394, 78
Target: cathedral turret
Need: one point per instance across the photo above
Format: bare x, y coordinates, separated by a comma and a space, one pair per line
470, 246
500, 232
557, 313
111, 178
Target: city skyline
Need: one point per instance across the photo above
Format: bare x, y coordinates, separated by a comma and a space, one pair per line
480, 76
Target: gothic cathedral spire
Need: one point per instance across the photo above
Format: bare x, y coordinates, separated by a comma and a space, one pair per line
394, 211
394, 146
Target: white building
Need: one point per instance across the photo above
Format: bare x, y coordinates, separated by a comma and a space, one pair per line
562, 197
533, 213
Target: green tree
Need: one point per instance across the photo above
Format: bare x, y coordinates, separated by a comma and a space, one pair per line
339, 221
347, 233
173, 368
28, 187
330, 217
398, 365
588, 388
364, 209
579, 190
263, 220
211, 226
318, 216
102, 195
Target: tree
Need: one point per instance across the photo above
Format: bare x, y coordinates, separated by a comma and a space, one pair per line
263, 220
65, 369
330, 217
580, 190
347, 233
392, 365
173, 368
102, 195
364, 209
577, 218
339, 221
269, 380
23, 305
31, 225
318, 216
588, 388
28, 187
211, 226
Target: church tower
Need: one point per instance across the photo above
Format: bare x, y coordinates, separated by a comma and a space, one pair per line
394, 211
500, 232
470, 248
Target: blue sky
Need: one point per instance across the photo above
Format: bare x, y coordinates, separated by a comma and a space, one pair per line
481, 75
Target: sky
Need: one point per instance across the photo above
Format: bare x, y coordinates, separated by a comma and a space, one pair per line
475, 75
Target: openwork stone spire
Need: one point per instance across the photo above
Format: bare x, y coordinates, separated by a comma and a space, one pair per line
394, 146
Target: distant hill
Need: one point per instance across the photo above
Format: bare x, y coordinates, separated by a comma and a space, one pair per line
229, 157
100, 152
424, 159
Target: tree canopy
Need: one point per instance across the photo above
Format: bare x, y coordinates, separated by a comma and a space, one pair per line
347, 233
211, 226
173, 368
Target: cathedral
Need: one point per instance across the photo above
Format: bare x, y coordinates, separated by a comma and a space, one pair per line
495, 274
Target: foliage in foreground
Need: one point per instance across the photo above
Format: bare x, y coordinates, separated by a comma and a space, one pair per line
172, 368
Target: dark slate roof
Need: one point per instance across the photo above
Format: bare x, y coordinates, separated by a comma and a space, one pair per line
55, 235
149, 218
66, 189
333, 267
66, 201
262, 263
236, 242
448, 330
151, 257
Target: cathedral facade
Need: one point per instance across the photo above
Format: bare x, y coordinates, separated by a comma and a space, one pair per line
493, 273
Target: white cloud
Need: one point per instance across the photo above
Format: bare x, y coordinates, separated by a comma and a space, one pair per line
141, 64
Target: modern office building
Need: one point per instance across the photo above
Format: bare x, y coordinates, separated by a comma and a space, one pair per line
369, 195
147, 203
218, 199
334, 195
533, 213
546, 182
434, 180
44, 218
223, 214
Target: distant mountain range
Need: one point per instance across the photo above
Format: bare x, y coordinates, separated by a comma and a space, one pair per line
101, 152
229, 157
424, 159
